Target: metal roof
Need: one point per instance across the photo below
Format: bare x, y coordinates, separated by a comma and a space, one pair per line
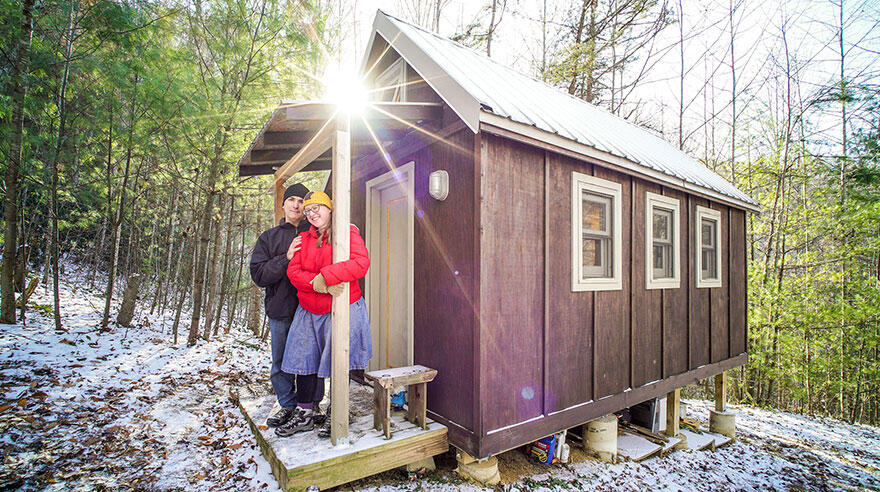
494, 89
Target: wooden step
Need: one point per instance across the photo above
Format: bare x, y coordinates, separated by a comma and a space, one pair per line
401, 376
303, 460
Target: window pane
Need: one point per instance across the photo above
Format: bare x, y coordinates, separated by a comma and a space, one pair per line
708, 270
597, 258
708, 232
390, 83
669, 261
592, 253
663, 261
595, 211
658, 258
662, 224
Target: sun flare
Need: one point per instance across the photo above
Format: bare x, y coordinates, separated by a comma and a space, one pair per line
345, 89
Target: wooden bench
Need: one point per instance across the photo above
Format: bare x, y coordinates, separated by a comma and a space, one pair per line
416, 379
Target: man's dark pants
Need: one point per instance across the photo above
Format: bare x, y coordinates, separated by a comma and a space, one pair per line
284, 383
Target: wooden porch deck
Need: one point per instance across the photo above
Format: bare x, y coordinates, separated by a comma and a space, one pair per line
304, 460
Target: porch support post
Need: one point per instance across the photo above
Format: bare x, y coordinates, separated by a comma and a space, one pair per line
721, 392
279, 201
341, 252
673, 407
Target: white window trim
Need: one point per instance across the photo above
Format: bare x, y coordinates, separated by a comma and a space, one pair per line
667, 203
698, 247
395, 74
580, 182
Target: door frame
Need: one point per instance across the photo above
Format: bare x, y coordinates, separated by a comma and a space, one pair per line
404, 175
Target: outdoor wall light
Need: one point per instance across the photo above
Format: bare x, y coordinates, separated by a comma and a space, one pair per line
438, 185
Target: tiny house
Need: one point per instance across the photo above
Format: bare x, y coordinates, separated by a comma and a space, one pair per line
554, 262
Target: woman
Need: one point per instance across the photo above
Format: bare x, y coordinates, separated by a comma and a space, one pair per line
317, 278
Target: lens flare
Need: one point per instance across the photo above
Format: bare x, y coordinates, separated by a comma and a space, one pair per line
346, 90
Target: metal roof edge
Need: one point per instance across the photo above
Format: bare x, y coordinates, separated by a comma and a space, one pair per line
369, 46
488, 120
462, 102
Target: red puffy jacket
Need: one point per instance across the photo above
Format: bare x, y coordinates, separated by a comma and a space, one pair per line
311, 260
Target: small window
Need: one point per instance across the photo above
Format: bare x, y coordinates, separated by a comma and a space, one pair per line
391, 83
662, 245
596, 233
708, 240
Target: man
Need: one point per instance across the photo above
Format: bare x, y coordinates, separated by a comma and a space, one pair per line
269, 260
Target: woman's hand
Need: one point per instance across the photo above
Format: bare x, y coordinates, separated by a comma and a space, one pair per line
319, 284
336, 290
294, 247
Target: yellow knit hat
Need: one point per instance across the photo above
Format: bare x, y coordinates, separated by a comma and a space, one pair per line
318, 197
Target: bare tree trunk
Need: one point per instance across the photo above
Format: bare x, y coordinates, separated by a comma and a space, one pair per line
843, 193
175, 281
129, 300
237, 286
201, 258
732, 98
166, 274
544, 42
578, 38
491, 30
681, 77
99, 250
857, 398
19, 70
21, 264
120, 213
187, 269
211, 277
53, 167
255, 314
436, 23
224, 278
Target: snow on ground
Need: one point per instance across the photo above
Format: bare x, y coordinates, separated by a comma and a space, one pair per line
82, 410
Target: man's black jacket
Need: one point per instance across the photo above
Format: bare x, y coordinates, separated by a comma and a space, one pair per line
269, 269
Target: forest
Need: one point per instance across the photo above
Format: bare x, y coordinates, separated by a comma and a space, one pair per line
123, 121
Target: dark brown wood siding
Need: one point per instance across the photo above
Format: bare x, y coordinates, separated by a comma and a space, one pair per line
611, 326
444, 272
738, 282
570, 314
596, 352
700, 309
512, 283
720, 296
647, 305
675, 301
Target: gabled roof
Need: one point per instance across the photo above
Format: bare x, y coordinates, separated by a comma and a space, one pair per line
485, 93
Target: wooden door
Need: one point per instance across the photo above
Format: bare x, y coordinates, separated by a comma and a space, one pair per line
389, 283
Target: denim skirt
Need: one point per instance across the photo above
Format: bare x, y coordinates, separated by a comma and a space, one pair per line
308, 342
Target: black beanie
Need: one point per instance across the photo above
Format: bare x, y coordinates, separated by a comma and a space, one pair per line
296, 189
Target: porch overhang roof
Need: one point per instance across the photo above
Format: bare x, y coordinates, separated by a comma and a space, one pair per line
296, 136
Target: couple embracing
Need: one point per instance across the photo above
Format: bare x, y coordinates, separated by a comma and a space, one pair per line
293, 261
